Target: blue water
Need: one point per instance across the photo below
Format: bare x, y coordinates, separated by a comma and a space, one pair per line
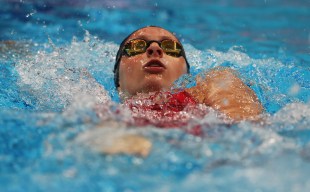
60, 66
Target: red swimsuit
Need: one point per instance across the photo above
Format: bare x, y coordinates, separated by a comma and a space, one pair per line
165, 110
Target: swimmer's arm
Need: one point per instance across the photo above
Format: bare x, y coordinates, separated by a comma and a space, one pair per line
129, 145
112, 138
221, 89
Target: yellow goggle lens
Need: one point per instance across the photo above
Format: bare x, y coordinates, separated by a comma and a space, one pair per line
138, 46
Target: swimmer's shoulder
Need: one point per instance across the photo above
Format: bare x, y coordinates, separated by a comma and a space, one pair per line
204, 80
223, 89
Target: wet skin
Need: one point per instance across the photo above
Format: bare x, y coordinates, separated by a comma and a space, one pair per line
153, 70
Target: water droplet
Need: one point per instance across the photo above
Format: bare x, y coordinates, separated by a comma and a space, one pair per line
30, 14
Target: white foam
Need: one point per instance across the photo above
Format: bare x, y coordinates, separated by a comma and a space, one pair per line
58, 78
213, 58
292, 113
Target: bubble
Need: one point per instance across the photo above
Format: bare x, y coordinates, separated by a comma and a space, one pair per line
294, 89
70, 173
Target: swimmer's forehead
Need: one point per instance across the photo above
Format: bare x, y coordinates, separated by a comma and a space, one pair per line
152, 33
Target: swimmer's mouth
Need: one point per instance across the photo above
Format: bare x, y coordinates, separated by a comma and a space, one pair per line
154, 66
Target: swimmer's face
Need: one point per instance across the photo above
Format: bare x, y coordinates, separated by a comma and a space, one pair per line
153, 70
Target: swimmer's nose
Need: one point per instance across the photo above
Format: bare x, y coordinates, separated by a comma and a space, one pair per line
154, 50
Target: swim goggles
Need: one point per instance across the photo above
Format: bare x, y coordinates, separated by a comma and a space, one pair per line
138, 46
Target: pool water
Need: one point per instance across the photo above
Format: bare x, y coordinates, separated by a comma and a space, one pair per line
56, 61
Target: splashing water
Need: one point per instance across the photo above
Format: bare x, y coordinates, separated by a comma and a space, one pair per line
51, 140
63, 74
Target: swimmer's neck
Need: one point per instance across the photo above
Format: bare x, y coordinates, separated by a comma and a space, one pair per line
140, 95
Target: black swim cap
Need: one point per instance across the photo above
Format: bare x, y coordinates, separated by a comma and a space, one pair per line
120, 53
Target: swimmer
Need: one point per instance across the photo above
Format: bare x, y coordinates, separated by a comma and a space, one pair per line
151, 59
